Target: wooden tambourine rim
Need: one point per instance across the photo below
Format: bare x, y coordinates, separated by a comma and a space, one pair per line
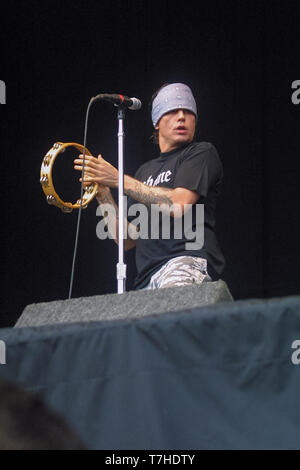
47, 182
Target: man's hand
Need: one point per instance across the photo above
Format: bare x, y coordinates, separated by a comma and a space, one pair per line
97, 170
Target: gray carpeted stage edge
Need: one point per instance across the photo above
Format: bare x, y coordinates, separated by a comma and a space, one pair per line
132, 304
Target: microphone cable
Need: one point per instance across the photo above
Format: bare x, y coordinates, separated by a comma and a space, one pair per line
81, 195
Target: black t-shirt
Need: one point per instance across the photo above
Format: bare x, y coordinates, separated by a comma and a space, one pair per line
195, 166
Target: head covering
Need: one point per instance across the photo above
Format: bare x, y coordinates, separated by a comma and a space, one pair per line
174, 96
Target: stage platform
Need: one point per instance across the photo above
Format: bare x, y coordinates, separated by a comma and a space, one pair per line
218, 376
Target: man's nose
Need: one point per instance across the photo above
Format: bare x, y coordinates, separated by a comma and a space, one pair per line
180, 114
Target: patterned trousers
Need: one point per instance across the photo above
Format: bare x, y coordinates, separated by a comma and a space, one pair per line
180, 271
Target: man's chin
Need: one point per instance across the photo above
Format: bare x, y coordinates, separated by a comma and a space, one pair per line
182, 140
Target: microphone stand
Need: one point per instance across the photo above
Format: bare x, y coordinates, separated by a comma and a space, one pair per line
121, 266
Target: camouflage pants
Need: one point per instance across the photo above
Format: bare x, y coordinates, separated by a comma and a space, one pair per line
180, 271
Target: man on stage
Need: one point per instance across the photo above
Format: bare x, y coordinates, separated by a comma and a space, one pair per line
185, 175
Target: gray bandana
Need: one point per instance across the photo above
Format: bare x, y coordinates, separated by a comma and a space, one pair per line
174, 96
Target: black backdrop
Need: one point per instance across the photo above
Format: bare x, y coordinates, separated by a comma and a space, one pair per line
239, 57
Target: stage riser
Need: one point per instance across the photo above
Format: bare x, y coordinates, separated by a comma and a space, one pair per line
132, 304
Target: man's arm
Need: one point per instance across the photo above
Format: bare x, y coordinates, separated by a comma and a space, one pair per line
111, 218
148, 195
98, 170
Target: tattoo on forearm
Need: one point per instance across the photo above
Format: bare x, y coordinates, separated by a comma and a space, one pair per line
148, 195
105, 198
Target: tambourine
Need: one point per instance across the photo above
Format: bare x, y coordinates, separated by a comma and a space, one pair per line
47, 182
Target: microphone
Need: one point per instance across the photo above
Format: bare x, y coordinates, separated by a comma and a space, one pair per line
119, 100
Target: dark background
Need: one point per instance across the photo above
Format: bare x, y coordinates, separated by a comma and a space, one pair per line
239, 57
